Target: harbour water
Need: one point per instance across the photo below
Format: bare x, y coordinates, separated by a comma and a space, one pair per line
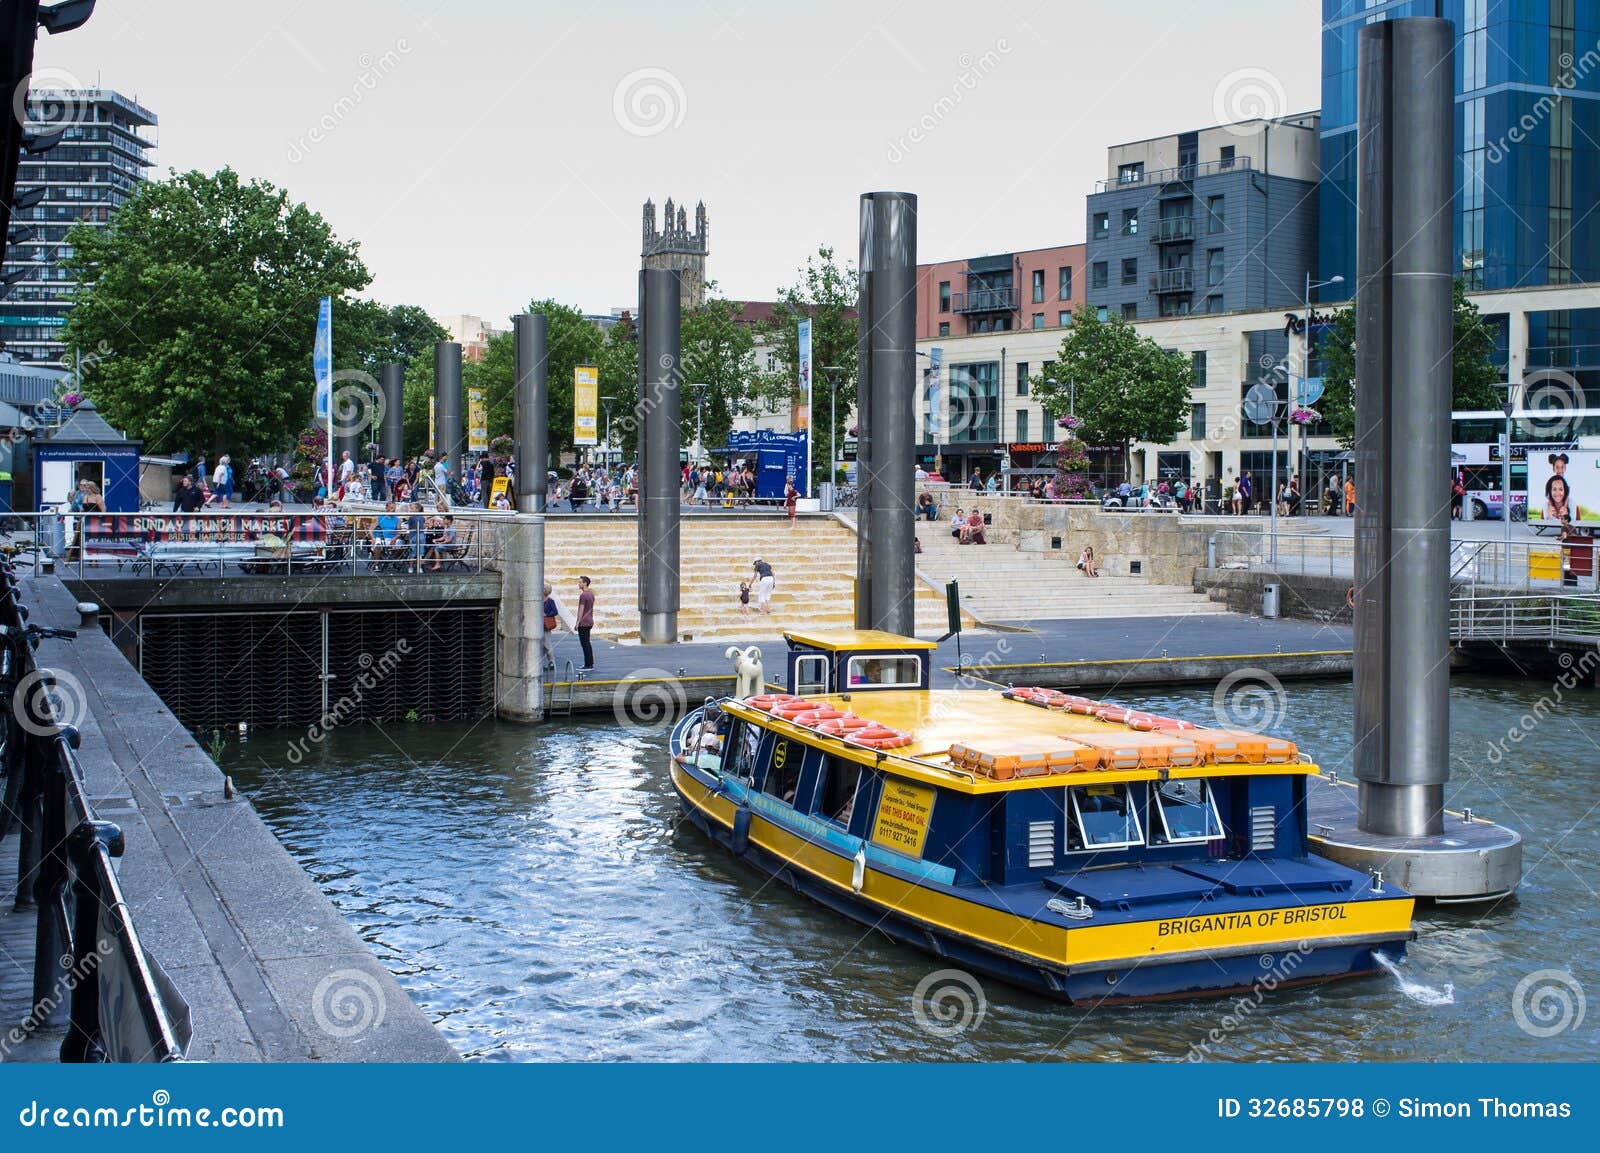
535, 891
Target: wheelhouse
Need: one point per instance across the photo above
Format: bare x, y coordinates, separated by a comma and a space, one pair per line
857, 660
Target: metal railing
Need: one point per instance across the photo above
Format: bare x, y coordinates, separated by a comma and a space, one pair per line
243, 543
1481, 615
1174, 229
1526, 566
1184, 172
89, 966
1172, 280
985, 300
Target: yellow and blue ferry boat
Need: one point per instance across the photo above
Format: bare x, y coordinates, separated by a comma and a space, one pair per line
1079, 849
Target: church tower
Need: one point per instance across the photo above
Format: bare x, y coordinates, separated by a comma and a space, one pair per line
674, 246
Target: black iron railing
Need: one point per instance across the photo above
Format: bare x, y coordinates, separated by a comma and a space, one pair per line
90, 972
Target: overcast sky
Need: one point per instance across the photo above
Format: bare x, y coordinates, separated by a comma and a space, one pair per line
489, 152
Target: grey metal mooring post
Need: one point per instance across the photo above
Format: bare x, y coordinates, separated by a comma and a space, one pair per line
392, 431
447, 403
886, 414
660, 437
1402, 447
531, 334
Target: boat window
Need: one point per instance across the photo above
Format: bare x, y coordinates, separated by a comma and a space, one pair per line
746, 749
1101, 817
811, 674
783, 771
1185, 811
884, 672
839, 782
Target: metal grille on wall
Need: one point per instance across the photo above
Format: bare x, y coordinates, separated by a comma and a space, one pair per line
294, 668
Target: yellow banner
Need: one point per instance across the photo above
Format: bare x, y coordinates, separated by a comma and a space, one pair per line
433, 435
904, 812
477, 421
585, 405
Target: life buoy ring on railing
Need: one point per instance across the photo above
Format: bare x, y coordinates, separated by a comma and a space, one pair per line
1350, 597
766, 702
876, 736
842, 725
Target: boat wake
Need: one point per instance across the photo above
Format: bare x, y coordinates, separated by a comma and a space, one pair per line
1418, 992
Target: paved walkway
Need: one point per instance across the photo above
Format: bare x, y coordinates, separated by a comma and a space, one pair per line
16, 970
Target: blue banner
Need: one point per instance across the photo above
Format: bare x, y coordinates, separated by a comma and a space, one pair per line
536, 1107
322, 360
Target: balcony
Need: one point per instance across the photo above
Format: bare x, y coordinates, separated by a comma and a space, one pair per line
1172, 280
985, 300
1174, 230
1182, 174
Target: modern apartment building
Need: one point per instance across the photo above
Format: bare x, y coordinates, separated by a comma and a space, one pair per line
88, 176
1035, 288
1221, 219
1527, 145
472, 333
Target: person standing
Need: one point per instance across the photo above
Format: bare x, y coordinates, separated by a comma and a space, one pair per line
441, 476
585, 622
1350, 497
791, 499
222, 479
347, 469
764, 582
190, 498
1246, 492
552, 621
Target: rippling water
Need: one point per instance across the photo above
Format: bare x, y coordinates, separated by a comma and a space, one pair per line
533, 891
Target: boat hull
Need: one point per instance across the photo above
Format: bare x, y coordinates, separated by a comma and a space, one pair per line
1246, 966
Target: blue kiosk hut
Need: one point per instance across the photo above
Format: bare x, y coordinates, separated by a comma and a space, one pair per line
83, 448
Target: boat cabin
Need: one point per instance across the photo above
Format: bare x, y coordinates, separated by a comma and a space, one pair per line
856, 660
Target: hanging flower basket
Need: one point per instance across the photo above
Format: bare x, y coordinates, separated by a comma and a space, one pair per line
72, 399
1069, 423
1305, 416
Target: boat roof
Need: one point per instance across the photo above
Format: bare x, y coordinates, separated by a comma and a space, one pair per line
940, 718
844, 640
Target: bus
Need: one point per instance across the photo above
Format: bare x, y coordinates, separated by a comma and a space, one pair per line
1475, 451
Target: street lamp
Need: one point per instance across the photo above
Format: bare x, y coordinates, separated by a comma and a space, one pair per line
608, 401
835, 374
1301, 400
699, 418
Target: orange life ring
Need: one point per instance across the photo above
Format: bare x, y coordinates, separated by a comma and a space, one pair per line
876, 736
810, 720
789, 710
1116, 714
1044, 698
843, 725
766, 702
1083, 706
1350, 597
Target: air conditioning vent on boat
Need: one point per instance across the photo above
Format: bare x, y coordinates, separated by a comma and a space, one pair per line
1041, 844
1263, 828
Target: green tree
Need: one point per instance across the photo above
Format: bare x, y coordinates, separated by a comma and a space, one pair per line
1123, 387
826, 292
1473, 374
718, 352
199, 303
619, 379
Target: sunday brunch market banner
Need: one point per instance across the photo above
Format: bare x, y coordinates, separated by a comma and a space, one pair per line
201, 529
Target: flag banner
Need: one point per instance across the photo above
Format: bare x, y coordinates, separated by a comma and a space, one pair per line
322, 360
585, 405
477, 421
803, 411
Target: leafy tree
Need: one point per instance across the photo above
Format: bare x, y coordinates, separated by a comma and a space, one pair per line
619, 378
826, 292
1472, 369
199, 300
718, 352
1128, 388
